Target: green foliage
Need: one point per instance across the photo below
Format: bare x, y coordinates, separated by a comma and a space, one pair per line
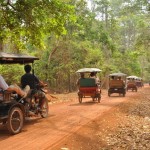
29, 21
12, 73
67, 36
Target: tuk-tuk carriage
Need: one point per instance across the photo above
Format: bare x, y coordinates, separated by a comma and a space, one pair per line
13, 108
131, 83
89, 86
139, 82
117, 83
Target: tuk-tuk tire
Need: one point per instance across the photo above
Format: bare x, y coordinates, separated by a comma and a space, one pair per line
20, 118
99, 99
93, 98
80, 99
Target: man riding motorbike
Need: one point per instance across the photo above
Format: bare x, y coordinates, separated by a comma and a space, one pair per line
35, 85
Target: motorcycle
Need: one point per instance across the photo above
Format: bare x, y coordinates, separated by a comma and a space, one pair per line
35, 105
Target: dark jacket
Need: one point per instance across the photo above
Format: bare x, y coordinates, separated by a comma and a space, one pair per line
29, 79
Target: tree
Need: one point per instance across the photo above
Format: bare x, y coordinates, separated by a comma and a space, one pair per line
29, 21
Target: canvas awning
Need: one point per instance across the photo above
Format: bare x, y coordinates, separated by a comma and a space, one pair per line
88, 70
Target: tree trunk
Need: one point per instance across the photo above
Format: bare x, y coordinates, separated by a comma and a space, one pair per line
1, 45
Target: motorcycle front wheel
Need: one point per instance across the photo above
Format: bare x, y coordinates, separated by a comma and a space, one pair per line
45, 109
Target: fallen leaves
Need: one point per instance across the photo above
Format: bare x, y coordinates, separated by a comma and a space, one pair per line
135, 134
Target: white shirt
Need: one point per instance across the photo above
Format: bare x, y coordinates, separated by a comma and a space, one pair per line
3, 84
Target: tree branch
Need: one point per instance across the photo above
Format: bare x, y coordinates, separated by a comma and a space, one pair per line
9, 3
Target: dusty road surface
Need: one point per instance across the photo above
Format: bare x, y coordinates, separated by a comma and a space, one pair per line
68, 124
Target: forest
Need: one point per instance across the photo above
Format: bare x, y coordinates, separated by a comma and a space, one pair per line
112, 35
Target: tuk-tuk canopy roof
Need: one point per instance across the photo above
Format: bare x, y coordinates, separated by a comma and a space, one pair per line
132, 77
88, 70
119, 74
9, 58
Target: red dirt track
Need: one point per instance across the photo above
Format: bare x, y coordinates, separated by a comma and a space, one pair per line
65, 119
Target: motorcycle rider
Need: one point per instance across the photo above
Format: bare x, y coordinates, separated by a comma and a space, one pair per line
30, 79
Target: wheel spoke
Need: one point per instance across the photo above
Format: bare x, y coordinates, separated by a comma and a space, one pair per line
15, 120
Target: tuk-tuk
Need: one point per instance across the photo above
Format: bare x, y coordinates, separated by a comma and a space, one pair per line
89, 86
131, 83
139, 82
13, 108
117, 83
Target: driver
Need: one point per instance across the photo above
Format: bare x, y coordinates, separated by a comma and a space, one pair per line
34, 83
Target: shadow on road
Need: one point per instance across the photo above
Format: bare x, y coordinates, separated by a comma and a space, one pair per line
86, 103
29, 121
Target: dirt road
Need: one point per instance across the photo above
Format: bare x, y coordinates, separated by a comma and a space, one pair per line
65, 119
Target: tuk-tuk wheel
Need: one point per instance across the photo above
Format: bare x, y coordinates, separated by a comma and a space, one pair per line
15, 120
45, 109
109, 94
80, 99
99, 99
93, 98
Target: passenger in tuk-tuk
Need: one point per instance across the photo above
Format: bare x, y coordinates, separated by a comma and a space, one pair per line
132, 80
93, 75
121, 81
116, 82
111, 82
13, 88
